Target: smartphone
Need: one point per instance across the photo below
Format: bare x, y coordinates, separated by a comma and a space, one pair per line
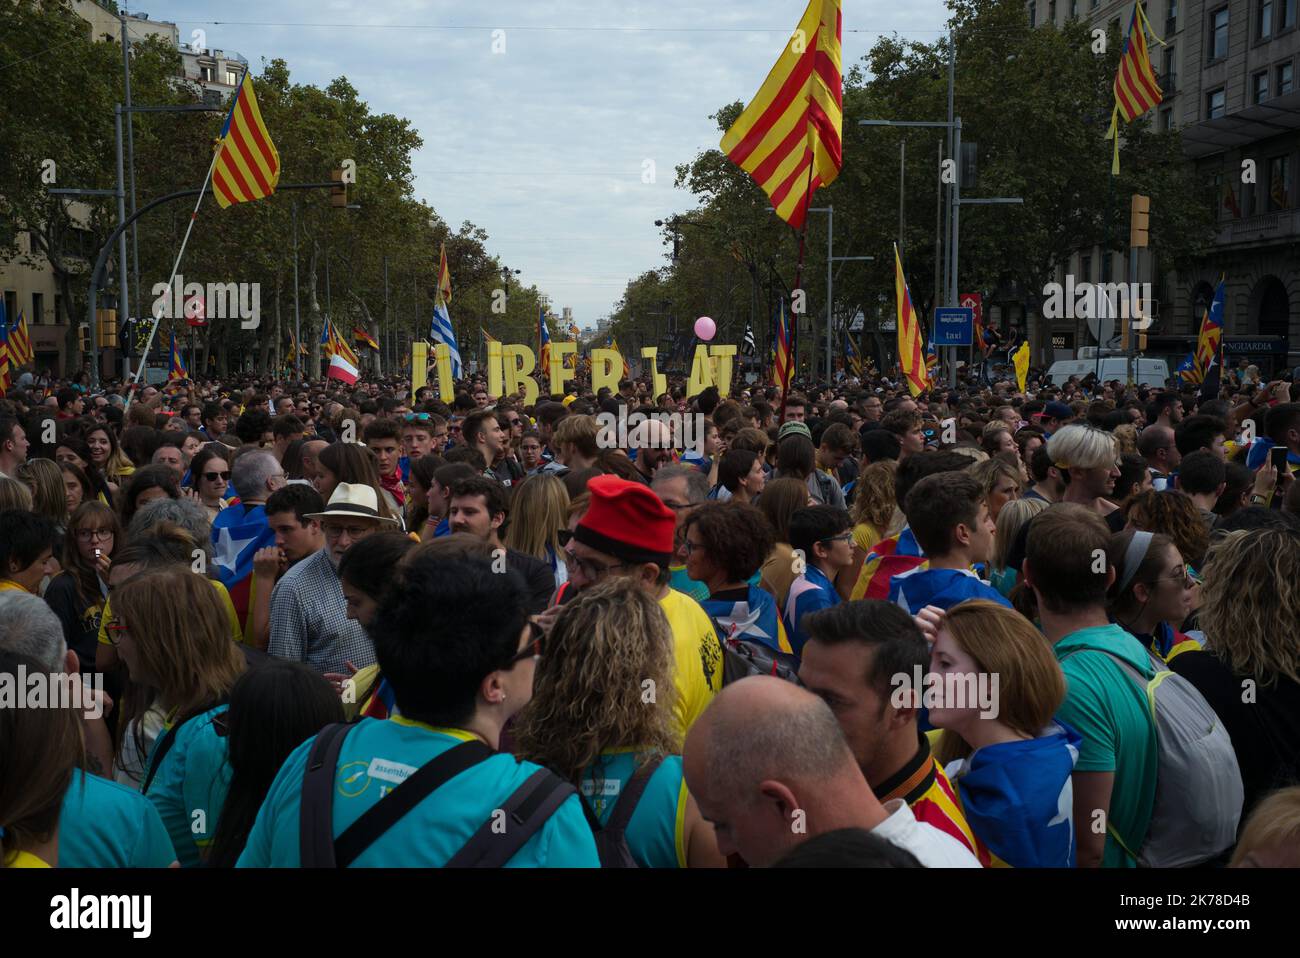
1279, 458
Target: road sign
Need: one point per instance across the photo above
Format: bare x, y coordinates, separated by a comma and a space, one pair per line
953, 326
858, 322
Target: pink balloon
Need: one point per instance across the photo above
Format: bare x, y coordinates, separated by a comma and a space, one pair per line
705, 328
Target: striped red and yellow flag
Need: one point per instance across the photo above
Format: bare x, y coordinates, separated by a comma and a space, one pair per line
444, 276
1136, 88
781, 347
364, 338
248, 166
911, 350
20, 342
788, 138
339, 347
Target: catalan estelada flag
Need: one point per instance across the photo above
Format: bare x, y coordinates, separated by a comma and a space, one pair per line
247, 166
1136, 89
781, 345
931, 362
332, 344
4, 349
20, 343
176, 368
1211, 335
911, 348
788, 137
363, 338
852, 360
543, 339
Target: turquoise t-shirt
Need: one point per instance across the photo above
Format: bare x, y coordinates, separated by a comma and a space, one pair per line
190, 786
683, 583
377, 756
656, 834
1104, 705
107, 825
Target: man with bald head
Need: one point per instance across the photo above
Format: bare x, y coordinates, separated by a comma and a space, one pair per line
1157, 447
311, 450
650, 444
769, 767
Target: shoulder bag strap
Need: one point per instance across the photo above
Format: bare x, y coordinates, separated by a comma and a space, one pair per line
627, 802
526, 811
316, 808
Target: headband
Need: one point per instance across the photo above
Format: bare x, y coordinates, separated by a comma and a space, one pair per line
1133, 556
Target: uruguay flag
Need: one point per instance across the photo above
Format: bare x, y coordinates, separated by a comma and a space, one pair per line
238, 532
441, 331
1019, 800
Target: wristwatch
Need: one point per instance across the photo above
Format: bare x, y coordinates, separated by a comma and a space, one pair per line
1257, 500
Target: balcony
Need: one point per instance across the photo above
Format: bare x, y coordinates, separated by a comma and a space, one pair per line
1262, 228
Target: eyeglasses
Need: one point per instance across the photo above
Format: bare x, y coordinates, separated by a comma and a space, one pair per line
90, 535
354, 532
589, 569
114, 628
1186, 577
516, 421
843, 537
688, 546
534, 648
214, 476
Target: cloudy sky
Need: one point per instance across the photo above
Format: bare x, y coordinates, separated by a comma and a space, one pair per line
542, 119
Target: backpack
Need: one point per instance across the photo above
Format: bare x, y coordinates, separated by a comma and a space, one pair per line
1199, 793
611, 838
742, 658
526, 810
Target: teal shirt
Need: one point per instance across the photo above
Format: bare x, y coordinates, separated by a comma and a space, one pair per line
1105, 706
107, 825
680, 581
656, 833
377, 756
190, 786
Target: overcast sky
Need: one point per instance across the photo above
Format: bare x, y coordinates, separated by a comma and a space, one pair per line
544, 144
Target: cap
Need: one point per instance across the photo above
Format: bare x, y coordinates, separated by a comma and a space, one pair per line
1057, 410
628, 521
794, 428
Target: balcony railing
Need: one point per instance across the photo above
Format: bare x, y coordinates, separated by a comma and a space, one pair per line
1279, 224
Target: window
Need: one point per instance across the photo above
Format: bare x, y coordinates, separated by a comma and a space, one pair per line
1259, 86
1033, 13
1051, 12
1284, 73
1264, 23
1171, 19
58, 307
1279, 183
1214, 104
1288, 15
1218, 34
1169, 77
1085, 268
1214, 190
232, 77
207, 74
38, 308
1095, 4
1167, 119
1074, 9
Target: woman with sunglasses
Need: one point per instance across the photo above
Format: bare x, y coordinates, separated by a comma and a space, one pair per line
1152, 593
77, 594
171, 630
589, 720
210, 478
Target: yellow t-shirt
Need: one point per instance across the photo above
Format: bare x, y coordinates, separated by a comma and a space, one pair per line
9, 585
236, 633
698, 654
26, 860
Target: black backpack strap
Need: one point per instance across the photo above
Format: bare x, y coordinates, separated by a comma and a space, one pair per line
627, 802
160, 752
316, 809
385, 813
526, 811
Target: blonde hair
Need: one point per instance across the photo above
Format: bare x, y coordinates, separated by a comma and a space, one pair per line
14, 494
1031, 686
1127, 437
1010, 521
873, 499
986, 474
180, 627
1274, 823
607, 647
45, 480
539, 510
1082, 447
973, 453
1250, 603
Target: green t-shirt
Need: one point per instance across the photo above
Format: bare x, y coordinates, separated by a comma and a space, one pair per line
1104, 705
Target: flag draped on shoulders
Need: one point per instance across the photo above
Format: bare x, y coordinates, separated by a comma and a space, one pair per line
237, 533
754, 619
888, 558
247, 164
788, 137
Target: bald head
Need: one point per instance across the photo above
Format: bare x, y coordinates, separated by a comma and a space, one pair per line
1156, 445
311, 450
651, 443
768, 765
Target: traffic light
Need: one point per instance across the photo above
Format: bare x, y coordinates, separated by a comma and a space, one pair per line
106, 328
339, 191
83, 337
1139, 221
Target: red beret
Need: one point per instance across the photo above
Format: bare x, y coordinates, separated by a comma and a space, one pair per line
628, 521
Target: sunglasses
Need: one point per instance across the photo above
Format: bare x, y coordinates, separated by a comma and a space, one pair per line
535, 646
214, 476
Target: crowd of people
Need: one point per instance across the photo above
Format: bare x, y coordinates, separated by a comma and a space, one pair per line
327, 625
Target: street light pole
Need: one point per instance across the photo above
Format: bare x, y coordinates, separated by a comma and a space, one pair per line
130, 154
297, 316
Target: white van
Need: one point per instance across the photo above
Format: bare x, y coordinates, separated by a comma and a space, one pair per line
1152, 372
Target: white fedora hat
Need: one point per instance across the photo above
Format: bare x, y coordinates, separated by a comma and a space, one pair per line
352, 499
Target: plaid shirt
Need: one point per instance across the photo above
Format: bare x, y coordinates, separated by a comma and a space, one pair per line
309, 619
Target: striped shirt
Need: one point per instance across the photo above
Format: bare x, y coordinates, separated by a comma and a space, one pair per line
924, 786
309, 619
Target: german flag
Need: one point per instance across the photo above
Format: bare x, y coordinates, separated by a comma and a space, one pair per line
247, 166
1136, 89
788, 138
363, 338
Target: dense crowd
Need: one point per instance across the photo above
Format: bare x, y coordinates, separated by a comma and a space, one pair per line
309, 625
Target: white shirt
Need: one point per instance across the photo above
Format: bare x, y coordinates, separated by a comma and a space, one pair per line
932, 848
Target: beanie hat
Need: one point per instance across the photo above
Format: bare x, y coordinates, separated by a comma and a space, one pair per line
794, 428
628, 521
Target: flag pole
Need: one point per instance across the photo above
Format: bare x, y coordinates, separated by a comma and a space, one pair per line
798, 274
144, 356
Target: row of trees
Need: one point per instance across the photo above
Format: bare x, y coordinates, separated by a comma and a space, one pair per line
59, 85
1037, 102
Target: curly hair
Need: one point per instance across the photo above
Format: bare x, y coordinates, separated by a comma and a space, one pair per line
873, 497
608, 649
1250, 603
736, 537
1175, 514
